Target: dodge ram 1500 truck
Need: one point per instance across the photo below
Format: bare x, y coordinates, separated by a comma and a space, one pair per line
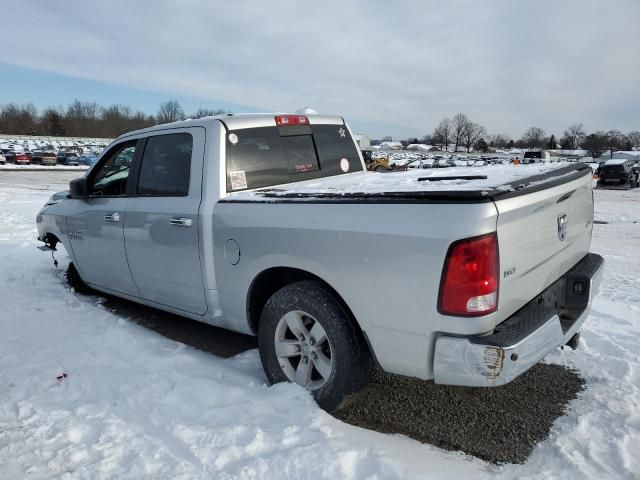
270, 225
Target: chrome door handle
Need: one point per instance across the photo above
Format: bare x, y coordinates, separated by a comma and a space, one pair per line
181, 222
114, 217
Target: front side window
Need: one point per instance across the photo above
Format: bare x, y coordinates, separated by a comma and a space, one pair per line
166, 165
111, 178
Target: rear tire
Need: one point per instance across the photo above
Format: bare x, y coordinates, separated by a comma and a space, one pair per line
333, 366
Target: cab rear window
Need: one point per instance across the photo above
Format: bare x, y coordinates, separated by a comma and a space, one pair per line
269, 156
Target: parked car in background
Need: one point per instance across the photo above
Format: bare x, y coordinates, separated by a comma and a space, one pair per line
619, 174
68, 158
10, 156
22, 158
2, 159
87, 159
48, 158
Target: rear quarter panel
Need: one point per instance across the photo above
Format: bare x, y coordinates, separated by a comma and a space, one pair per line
384, 260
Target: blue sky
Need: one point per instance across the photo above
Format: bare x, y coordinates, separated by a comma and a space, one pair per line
388, 68
44, 89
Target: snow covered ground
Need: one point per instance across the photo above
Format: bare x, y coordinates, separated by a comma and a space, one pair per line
135, 404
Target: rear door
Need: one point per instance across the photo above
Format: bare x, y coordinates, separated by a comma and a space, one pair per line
541, 235
95, 224
161, 228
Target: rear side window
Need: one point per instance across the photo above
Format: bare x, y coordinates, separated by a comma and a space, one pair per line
269, 156
166, 165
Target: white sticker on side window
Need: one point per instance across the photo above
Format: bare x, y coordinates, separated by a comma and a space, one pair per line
344, 165
238, 180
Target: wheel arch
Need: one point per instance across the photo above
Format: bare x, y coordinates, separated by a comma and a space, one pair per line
269, 281
51, 239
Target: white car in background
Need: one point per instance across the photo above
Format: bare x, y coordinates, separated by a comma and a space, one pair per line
3, 160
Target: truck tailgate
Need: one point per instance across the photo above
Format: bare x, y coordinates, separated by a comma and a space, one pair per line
542, 233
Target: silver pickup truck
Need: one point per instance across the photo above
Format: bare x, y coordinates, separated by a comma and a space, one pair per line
270, 225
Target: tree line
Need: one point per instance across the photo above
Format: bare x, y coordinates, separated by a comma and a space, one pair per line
88, 119
460, 131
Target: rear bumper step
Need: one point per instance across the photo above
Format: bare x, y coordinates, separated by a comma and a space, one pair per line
518, 343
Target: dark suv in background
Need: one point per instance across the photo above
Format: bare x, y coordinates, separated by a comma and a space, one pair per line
68, 158
619, 174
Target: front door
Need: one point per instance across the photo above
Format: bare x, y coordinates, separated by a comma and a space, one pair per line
161, 226
96, 224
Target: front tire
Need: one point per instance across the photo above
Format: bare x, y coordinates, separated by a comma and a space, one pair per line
306, 336
76, 282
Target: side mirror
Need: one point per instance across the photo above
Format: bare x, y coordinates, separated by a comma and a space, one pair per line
78, 188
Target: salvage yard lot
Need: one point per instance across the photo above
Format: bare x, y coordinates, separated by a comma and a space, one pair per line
139, 401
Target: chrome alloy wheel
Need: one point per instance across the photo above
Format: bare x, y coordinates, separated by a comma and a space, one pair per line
303, 350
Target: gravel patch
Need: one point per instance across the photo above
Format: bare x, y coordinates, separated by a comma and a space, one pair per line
499, 425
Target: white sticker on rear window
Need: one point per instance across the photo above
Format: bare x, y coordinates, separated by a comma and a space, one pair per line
238, 180
344, 165
233, 138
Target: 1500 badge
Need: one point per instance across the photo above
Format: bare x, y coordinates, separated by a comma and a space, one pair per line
509, 272
75, 236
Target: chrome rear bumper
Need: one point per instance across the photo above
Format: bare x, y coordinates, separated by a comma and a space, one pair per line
524, 339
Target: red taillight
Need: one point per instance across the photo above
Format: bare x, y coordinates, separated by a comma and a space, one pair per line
470, 279
291, 120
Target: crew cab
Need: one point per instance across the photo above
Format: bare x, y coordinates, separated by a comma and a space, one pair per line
271, 225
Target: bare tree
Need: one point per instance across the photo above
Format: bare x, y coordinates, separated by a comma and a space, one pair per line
472, 133
81, 118
207, 112
427, 139
19, 119
533, 137
595, 143
52, 122
170, 111
442, 133
615, 139
499, 140
573, 136
459, 124
634, 138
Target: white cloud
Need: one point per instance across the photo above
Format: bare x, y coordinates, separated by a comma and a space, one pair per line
506, 64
